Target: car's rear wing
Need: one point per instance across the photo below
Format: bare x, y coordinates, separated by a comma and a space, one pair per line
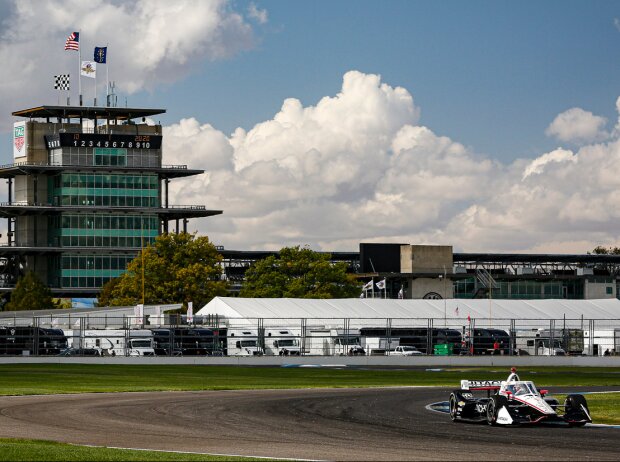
480, 384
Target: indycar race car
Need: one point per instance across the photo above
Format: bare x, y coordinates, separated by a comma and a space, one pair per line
514, 402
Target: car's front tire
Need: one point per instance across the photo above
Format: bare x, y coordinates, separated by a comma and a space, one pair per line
453, 407
492, 410
573, 405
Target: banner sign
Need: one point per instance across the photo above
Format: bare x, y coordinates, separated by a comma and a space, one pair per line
19, 139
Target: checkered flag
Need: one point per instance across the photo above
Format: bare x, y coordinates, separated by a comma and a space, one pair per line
61, 82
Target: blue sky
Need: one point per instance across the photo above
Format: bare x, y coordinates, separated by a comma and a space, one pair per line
487, 125
492, 74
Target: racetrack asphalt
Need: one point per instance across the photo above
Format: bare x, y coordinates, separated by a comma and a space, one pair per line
326, 424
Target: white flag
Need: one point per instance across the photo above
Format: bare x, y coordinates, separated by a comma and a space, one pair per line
400, 293
381, 285
190, 312
138, 312
367, 286
89, 69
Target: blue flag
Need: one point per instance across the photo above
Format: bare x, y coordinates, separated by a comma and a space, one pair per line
101, 54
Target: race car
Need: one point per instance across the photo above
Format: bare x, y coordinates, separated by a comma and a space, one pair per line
515, 402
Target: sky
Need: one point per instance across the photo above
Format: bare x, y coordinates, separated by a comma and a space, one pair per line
491, 126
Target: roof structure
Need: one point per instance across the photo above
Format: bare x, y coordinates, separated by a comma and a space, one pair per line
87, 112
373, 309
99, 318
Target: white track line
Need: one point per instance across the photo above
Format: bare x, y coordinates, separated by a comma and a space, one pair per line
200, 453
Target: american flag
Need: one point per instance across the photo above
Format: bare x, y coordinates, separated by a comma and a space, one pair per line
73, 41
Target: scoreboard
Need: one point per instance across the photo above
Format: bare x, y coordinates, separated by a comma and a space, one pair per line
92, 140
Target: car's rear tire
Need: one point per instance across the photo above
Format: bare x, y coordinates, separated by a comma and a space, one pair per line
492, 410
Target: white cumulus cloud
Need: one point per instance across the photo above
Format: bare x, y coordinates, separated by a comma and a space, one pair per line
359, 167
577, 125
152, 41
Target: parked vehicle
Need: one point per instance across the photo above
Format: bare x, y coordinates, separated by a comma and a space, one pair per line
281, 341
538, 342
602, 340
113, 342
406, 350
423, 338
25, 340
79, 352
163, 343
197, 341
484, 341
332, 342
243, 342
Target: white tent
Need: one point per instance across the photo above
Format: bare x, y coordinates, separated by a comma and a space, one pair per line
275, 311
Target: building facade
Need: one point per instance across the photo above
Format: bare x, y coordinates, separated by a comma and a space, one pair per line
86, 191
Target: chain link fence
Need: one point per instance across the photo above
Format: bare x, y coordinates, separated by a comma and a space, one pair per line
173, 335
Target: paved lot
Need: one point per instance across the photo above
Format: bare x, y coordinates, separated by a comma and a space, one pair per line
334, 424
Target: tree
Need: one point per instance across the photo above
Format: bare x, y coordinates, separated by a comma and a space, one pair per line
600, 250
178, 268
299, 273
30, 294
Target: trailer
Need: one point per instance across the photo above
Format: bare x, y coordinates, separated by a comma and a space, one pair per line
332, 342
243, 342
25, 340
539, 342
602, 342
113, 342
282, 342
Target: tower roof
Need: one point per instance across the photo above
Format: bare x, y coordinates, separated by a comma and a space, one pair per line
85, 112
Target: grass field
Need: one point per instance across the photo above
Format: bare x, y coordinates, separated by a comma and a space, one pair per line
34, 450
25, 379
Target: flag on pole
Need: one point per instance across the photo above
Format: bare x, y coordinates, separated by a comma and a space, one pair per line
190, 312
101, 54
367, 286
73, 41
468, 319
381, 285
61, 82
89, 69
401, 294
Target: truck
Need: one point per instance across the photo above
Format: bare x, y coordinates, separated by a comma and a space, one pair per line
282, 342
325, 341
602, 341
27, 340
243, 342
481, 341
198, 341
542, 342
113, 342
374, 346
406, 350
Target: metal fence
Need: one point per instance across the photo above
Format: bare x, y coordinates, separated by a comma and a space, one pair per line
217, 336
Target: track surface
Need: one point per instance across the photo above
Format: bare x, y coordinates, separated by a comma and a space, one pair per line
334, 424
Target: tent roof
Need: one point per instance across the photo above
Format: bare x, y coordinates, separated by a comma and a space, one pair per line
288, 308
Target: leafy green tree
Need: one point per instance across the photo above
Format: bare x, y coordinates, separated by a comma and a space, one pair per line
30, 294
299, 273
600, 250
178, 268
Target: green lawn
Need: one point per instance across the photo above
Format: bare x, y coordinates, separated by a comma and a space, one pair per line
25, 379
34, 450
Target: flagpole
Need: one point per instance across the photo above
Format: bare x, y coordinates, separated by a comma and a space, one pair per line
80, 65
107, 77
